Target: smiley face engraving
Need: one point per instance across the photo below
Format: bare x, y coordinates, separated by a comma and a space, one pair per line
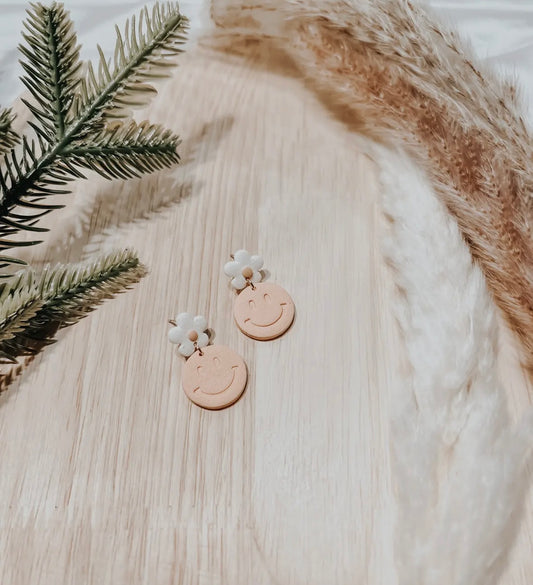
264, 313
215, 379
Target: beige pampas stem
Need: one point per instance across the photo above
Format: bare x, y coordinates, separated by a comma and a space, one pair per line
392, 71
459, 463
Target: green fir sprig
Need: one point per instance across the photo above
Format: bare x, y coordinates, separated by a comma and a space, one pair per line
72, 110
57, 297
81, 120
8, 137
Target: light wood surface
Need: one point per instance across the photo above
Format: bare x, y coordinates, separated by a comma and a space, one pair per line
111, 476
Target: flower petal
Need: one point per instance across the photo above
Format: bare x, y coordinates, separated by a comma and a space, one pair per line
232, 268
256, 262
239, 282
176, 335
202, 340
185, 321
186, 348
200, 323
242, 257
256, 276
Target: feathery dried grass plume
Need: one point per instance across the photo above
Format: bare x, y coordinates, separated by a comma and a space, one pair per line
459, 463
394, 73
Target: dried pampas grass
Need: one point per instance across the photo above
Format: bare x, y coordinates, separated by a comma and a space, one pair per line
389, 69
459, 465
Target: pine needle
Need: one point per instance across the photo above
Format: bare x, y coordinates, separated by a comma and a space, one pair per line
8, 137
40, 304
72, 112
52, 64
145, 51
127, 150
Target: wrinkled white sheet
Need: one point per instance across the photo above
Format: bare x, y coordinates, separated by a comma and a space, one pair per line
499, 30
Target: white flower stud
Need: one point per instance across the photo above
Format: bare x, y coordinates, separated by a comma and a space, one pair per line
189, 333
213, 376
262, 310
244, 269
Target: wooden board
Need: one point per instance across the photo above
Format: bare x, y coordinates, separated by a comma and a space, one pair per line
110, 475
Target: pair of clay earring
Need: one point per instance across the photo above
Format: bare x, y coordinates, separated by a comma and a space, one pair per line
214, 376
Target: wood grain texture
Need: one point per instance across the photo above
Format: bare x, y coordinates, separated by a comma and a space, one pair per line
110, 475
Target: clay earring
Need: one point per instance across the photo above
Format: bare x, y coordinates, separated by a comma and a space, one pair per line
262, 310
214, 376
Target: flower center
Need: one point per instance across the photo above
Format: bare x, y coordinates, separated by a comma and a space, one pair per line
247, 272
193, 335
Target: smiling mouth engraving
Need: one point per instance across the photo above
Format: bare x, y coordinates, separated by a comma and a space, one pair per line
268, 324
223, 389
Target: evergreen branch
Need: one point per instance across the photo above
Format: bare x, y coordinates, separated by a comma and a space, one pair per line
127, 150
52, 64
66, 294
11, 218
41, 169
145, 51
8, 137
16, 313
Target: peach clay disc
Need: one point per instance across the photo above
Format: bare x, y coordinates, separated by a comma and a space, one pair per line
265, 312
215, 379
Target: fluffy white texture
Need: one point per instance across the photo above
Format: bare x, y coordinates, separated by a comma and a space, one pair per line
458, 463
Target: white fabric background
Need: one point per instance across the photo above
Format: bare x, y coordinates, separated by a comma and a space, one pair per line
500, 30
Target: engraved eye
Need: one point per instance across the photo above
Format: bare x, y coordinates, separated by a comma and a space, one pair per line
199, 369
267, 298
251, 304
216, 361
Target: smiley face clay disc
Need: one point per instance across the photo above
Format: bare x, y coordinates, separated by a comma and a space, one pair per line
215, 379
264, 313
